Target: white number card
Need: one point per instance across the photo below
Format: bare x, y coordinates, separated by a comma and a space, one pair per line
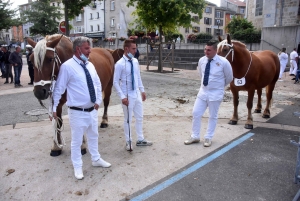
239, 82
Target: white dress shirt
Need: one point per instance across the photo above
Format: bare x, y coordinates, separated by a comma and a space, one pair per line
293, 55
283, 58
72, 77
220, 75
123, 80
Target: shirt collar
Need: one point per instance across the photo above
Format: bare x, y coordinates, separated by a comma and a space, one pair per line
79, 61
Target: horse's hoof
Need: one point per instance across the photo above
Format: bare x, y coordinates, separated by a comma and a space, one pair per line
83, 151
231, 122
248, 126
266, 116
55, 153
103, 125
257, 111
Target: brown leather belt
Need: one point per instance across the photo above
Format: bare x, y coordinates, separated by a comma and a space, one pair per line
82, 109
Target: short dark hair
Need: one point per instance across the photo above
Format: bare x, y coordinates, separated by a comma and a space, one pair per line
283, 49
213, 43
128, 42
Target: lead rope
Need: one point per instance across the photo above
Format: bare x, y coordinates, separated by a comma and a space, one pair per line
57, 126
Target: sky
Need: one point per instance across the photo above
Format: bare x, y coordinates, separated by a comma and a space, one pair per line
20, 2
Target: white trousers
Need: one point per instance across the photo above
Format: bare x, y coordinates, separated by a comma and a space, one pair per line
135, 107
294, 67
198, 111
282, 68
80, 123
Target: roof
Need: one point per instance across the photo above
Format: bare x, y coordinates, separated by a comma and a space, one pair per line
237, 2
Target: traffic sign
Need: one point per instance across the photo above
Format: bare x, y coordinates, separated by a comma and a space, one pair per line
62, 26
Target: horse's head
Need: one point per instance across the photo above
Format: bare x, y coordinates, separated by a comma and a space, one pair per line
46, 62
225, 47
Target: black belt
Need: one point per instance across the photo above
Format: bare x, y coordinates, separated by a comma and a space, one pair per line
83, 109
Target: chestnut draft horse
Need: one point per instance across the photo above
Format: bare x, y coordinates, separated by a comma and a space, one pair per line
251, 71
49, 54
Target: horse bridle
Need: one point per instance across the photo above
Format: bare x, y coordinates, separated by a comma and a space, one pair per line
57, 62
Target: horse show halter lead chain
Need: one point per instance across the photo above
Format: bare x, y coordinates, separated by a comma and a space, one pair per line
239, 81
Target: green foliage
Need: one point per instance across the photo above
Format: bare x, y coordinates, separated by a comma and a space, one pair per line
166, 14
75, 6
200, 38
8, 16
172, 36
242, 30
44, 17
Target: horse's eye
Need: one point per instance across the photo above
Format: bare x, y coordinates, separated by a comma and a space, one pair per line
50, 60
225, 50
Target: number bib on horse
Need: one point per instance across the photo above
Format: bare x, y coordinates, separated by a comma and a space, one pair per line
239, 82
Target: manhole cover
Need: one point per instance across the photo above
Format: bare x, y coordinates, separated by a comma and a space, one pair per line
36, 112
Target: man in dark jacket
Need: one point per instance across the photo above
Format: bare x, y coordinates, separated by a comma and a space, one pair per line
15, 59
29, 63
5, 60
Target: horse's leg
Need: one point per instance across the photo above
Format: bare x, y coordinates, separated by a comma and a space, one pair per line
235, 94
83, 145
106, 99
258, 106
249, 122
269, 94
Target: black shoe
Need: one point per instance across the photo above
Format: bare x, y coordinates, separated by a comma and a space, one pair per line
297, 81
30, 83
292, 75
293, 78
20, 85
6, 82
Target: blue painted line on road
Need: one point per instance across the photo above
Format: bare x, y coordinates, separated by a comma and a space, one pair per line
191, 169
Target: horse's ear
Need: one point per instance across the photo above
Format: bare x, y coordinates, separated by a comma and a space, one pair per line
54, 42
228, 39
220, 38
31, 42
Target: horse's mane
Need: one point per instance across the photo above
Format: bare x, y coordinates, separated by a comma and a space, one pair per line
225, 42
40, 50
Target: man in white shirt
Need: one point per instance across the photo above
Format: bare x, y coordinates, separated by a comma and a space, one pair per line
129, 86
293, 62
216, 73
83, 100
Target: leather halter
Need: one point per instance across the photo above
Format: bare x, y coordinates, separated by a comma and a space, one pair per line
57, 62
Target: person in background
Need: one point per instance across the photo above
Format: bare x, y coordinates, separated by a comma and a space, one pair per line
216, 73
129, 87
79, 77
8, 67
15, 60
293, 62
283, 58
2, 66
137, 53
30, 64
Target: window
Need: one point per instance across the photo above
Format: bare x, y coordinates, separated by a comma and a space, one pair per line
53, 4
208, 30
207, 20
58, 4
98, 15
112, 5
78, 30
208, 10
91, 28
112, 22
196, 18
219, 14
78, 18
259, 7
187, 30
242, 10
196, 29
91, 16
218, 22
218, 32
98, 27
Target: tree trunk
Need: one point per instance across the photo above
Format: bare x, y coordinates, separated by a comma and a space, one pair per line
66, 19
160, 65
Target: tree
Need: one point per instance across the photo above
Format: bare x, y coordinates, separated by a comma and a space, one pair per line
44, 18
243, 30
73, 8
166, 15
8, 16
